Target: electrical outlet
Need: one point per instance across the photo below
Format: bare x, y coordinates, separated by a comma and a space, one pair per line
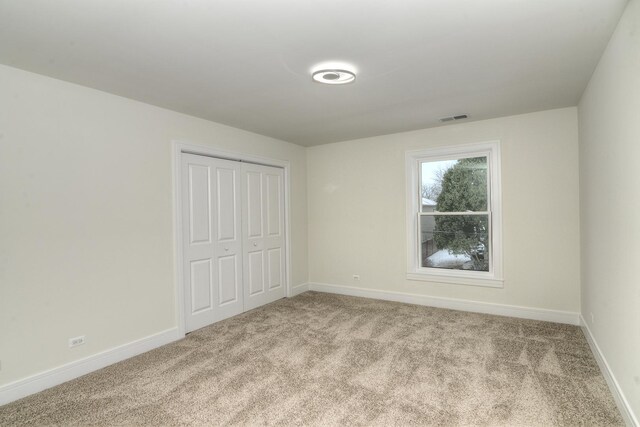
356, 277
74, 342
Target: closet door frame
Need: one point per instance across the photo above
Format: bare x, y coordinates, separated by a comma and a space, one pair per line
177, 149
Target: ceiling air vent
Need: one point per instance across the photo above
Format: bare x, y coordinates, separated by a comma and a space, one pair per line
452, 118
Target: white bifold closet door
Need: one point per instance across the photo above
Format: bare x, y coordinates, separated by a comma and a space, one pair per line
212, 231
263, 234
233, 238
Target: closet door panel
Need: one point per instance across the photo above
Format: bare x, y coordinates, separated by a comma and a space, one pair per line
263, 213
228, 237
201, 286
253, 198
198, 245
274, 205
212, 244
226, 205
229, 288
275, 267
256, 272
200, 204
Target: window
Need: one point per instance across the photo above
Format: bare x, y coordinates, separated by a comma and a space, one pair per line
454, 222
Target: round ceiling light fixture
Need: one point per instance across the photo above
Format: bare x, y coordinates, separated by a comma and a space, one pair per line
334, 76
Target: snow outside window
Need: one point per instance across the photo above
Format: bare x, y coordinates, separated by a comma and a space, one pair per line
453, 215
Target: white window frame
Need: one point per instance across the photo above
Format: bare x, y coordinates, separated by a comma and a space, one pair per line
492, 278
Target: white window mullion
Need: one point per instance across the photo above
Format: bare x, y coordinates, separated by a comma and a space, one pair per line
470, 213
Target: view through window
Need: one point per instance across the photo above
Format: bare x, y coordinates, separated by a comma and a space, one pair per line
455, 214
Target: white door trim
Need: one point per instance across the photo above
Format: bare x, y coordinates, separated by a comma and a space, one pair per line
179, 147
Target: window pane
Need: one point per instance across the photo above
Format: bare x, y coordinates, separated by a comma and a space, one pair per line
454, 185
455, 242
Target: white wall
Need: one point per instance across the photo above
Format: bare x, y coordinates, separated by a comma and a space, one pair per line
86, 226
609, 119
356, 195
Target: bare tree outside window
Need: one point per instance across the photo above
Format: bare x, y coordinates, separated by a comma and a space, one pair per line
432, 176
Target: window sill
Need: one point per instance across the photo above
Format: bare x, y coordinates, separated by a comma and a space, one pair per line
456, 280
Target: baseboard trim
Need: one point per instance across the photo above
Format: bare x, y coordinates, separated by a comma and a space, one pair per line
52, 377
622, 402
557, 316
298, 289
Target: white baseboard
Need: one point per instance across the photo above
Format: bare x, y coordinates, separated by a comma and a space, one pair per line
298, 289
52, 377
622, 402
557, 316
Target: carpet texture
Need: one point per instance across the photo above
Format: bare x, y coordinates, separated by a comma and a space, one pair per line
321, 359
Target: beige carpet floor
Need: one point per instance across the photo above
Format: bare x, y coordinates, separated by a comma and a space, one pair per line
321, 359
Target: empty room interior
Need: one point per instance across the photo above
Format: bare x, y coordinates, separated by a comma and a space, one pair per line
320, 213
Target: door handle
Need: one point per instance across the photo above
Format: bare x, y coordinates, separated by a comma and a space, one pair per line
255, 244
226, 249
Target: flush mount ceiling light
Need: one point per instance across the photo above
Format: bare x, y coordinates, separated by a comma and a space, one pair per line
334, 76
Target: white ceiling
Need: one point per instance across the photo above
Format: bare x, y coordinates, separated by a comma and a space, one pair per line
246, 63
